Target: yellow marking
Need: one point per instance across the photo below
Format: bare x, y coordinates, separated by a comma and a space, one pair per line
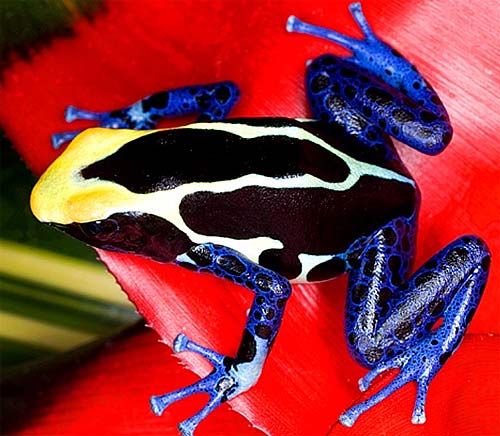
60, 272
27, 330
51, 198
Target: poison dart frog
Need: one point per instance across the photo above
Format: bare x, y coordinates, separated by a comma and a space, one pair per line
266, 202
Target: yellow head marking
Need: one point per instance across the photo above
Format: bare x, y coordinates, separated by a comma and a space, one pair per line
62, 196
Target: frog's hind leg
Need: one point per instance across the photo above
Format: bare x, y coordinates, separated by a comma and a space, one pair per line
390, 320
212, 102
374, 90
231, 375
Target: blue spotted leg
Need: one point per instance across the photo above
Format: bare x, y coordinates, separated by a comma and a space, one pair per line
211, 101
231, 376
374, 92
391, 319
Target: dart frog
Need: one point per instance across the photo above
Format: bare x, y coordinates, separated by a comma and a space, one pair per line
266, 202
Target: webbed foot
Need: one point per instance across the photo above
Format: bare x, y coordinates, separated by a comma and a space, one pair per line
420, 363
222, 384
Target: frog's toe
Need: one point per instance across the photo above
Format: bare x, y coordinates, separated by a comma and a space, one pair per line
183, 343
365, 382
418, 416
73, 113
59, 139
180, 343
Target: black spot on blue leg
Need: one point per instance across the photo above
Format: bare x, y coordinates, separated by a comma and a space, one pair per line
444, 357
231, 264
319, 83
436, 307
203, 101
404, 330
367, 112
335, 103
371, 135
348, 72
379, 96
270, 313
485, 263
264, 282
374, 354
402, 116
263, 331
390, 236
350, 92
201, 255
248, 347
280, 303
359, 293
156, 101
456, 256
427, 116
222, 94
384, 296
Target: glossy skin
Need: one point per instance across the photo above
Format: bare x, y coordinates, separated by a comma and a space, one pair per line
360, 218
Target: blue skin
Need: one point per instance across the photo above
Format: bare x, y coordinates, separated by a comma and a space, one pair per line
390, 314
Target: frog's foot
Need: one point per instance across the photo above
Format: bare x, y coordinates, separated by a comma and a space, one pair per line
420, 363
223, 383
211, 102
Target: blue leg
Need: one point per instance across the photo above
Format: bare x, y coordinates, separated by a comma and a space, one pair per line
374, 91
231, 376
212, 102
390, 319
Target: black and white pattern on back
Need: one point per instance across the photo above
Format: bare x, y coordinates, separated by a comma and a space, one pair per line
268, 188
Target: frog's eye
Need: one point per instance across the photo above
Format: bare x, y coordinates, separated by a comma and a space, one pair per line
101, 229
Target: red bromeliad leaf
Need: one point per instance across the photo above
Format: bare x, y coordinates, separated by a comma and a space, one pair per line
107, 396
136, 48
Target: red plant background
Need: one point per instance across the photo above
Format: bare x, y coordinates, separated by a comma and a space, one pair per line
135, 48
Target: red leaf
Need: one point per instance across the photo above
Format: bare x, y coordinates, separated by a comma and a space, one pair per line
108, 396
133, 50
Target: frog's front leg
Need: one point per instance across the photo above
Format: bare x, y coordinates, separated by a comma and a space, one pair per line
231, 376
390, 320
212, 101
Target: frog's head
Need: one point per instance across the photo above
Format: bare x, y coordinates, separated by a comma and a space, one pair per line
99, 212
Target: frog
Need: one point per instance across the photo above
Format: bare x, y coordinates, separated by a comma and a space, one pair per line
268, 202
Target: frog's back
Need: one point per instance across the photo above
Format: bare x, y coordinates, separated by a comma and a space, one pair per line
273, 189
